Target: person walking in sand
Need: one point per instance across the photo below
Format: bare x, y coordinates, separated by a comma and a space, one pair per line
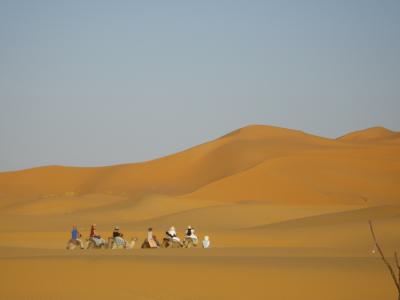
206, 242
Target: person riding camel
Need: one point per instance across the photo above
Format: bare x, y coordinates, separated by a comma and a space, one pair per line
75, 238
98, 240
118, 237
152, 239
171, 234
190, 234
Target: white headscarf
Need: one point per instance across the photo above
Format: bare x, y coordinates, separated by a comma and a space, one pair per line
172, 230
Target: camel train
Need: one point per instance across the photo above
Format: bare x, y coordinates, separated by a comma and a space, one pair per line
117, 241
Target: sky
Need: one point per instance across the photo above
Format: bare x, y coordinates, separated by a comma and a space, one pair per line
90, 83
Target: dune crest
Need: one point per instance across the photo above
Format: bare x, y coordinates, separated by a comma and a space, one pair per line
373, 134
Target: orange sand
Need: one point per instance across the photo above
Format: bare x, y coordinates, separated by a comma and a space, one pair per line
286, 212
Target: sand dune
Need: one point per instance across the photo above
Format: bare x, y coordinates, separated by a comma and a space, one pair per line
252, 147
250, 177
268, 166
274, 201
371, 135
179, 173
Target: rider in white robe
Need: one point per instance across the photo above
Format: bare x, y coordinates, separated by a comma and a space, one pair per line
172, 234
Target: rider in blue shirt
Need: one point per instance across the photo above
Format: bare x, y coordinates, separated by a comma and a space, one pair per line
75, 238
74, 233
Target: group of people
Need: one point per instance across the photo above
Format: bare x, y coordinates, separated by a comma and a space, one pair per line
94, 236
118, 238
171, 235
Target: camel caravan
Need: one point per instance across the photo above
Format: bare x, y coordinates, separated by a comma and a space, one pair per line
117, 240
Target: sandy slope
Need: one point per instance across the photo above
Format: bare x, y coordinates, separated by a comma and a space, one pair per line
206, 276
286, 211
345, 176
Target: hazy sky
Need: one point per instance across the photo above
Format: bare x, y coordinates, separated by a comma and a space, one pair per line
103, 82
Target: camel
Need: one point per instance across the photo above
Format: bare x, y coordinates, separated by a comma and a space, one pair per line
169, 243
128, 245
131, 243
189, 242
153, 243
73, 244
90, 243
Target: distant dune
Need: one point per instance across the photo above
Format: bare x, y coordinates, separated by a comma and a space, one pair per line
373, 134
257, 163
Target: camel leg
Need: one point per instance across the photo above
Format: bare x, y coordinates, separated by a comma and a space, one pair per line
80, 243
132, 244
110, 243
71, 245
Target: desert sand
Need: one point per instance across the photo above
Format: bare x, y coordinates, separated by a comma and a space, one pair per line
287, 213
